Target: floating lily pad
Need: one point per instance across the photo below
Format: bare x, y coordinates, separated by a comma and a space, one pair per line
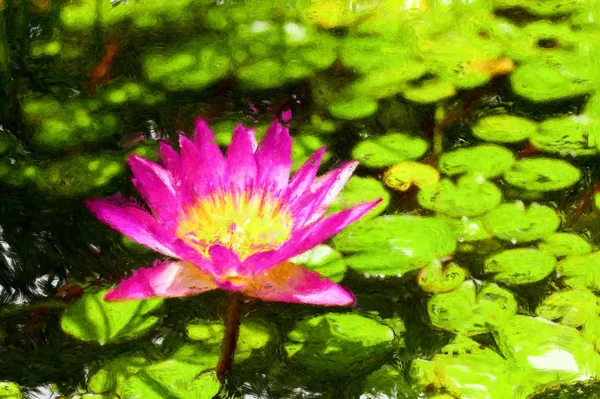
325, 260
172, 379
545, 8
553, 78
396, 244
90, 318
386, 382
467, 312
542, 174
390, 149
471, 196
550, 353
513, 222
591, 331
254, 336
353, 109
304, 146
114, 373
504, 128
570, 307
474, 373
438, 278
566, 136
359, 190
10, 390
404, 175
469, 229
488, 160
429, 91
520, 265
564, 244
337, 343
581, 271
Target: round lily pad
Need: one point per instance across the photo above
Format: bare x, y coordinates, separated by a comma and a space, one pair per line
467, 312
520, 265
91, 318
438, 278
564, 244
404, 175
489, 160
10, 390
337, 343
565, 135
570, 307
303, 146
323, 259
504, 128
357, 108
359, 190
471, 196
469, 229
516, 223
429, 91
390, 149
542, 174
581, 271
553, 78
395, 244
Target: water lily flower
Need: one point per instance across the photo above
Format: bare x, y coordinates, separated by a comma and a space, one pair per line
231, 222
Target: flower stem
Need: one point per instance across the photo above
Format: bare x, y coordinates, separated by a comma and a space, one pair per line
233, 319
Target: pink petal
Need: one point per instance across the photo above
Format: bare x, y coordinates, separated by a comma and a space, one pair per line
156, 185
307, 209
166, 279
197, 170
273, 158
311, 236
135, 223
291, 283
169, 157
241, 164
226, 262
344, 173
208, 148
304, 176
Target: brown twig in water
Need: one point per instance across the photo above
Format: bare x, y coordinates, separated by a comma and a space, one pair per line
233, 319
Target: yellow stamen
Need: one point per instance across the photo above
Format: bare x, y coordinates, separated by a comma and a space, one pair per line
245, 222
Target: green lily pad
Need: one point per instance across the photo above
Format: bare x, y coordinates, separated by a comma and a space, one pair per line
337, 343
471, 196
591, 331
429, 91
396, 244
543, 8
359, 190
115, 372
404, 175
565, 135
570, 307
551, 354
565, 244
304, 146
473, 373
467, 312
504, 128
520, 265
438, 278
325, 260
172, 379
469, 229
90, 318
488, 160
353, 109
553, 78
253, 337
542, 174
10, 390
386, 382
390, 149
581, 271
513, 222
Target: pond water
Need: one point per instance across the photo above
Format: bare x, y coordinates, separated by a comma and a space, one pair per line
475, 123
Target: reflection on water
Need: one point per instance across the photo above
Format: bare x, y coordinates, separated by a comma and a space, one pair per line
475, 122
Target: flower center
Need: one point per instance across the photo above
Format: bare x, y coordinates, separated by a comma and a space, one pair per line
245, 222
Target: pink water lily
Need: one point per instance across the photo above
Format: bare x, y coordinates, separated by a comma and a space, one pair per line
231, 222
